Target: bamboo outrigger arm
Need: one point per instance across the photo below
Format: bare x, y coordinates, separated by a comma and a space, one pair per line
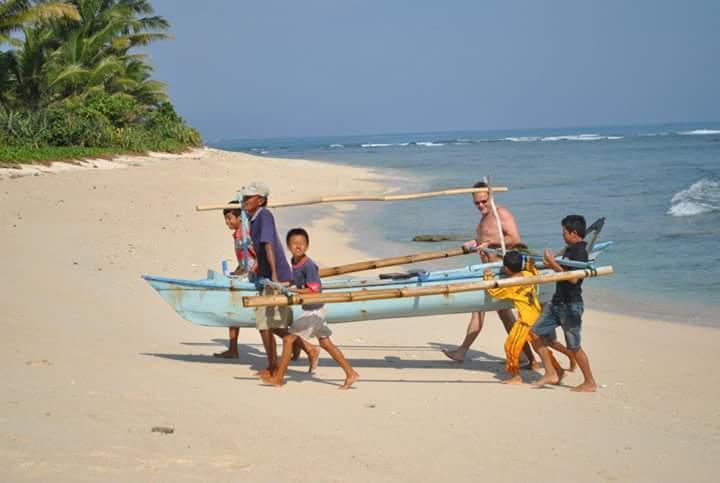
394, 261
350, 198
364, 294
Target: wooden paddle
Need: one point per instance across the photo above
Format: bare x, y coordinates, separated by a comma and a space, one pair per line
351, 198
380, 294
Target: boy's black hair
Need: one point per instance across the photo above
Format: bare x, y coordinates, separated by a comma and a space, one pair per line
297, 231
235, 212
574, 223
513, 260
480, 184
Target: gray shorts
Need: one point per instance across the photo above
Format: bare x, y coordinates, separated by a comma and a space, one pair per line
272, 317
311, 323
566, 316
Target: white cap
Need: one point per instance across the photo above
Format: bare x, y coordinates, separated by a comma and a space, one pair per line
255, 188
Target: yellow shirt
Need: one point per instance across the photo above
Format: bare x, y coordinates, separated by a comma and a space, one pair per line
524, 297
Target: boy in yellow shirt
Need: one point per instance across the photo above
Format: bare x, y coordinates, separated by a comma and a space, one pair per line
525, 299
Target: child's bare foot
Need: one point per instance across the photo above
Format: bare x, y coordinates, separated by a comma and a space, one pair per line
560, 374
545, 380
313, 359
458, 355
350, 380
513, 380
228, 354
585, 387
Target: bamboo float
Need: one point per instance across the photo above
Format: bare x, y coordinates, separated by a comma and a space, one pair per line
393, 261
365, 295
350, 198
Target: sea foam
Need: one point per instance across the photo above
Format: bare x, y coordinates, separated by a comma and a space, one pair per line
701, 197
699, 132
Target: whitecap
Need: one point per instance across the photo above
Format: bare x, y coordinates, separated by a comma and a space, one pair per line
522, 139
337, 146
575, 137
699, 132
430, 144
701, 197
376, 145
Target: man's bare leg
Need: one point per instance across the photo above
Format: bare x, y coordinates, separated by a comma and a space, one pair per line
508, 320
564, 350
270, 351
551, 375
589, 384
232, 352
473, 330
350, 375
277, 378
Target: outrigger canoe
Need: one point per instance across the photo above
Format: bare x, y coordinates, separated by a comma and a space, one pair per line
217, 301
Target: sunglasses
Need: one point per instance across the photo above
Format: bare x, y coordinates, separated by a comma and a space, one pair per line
481, 202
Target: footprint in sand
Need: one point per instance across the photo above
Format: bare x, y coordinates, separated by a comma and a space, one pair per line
39, 363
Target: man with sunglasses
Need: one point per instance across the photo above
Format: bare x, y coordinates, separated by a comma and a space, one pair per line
489, 237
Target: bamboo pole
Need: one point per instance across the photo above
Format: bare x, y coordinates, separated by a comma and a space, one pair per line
393, 261
380, 294
349, 198
491, 199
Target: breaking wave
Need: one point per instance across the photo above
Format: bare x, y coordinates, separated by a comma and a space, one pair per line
701, 197
568, 137
699, 132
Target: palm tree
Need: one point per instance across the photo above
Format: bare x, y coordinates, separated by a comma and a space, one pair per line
95, 52
16, 14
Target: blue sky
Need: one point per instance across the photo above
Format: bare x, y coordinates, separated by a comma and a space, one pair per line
242, 69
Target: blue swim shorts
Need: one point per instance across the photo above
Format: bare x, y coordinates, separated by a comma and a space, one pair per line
568, 316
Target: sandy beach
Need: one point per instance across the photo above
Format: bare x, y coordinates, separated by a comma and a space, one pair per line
91, 359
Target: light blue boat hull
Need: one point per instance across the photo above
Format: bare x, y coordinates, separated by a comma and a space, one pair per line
217, 300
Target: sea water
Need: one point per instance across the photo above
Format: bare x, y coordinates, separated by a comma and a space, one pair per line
658, 187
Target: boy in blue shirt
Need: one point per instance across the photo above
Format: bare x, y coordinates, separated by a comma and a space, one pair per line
311, 322
565, 310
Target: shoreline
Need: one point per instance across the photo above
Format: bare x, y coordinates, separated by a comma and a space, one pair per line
338, 216
91, 350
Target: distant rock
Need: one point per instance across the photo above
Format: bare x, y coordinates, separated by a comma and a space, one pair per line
439, 238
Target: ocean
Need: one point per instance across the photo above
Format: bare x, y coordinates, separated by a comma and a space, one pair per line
657, 185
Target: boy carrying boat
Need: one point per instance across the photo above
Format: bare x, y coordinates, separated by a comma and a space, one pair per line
525, 300
311, 323
271, 265
565, 310
241, 236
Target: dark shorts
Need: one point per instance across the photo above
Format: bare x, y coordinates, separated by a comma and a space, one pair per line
566, 316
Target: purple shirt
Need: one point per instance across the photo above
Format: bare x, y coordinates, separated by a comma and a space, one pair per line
306, 275
263, 231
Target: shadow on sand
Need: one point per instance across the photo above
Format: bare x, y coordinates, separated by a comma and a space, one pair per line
253, 356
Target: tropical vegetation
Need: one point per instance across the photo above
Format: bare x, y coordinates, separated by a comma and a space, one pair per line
71, 78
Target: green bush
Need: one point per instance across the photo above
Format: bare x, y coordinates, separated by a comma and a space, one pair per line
111, 123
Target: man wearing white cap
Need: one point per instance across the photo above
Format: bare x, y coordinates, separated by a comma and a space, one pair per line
271, 264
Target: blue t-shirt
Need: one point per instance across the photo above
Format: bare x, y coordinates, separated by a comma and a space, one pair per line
306, 275
263, 231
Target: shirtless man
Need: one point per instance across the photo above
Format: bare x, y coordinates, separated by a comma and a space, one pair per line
487, 236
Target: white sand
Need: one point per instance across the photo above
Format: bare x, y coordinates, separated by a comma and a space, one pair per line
91, 359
